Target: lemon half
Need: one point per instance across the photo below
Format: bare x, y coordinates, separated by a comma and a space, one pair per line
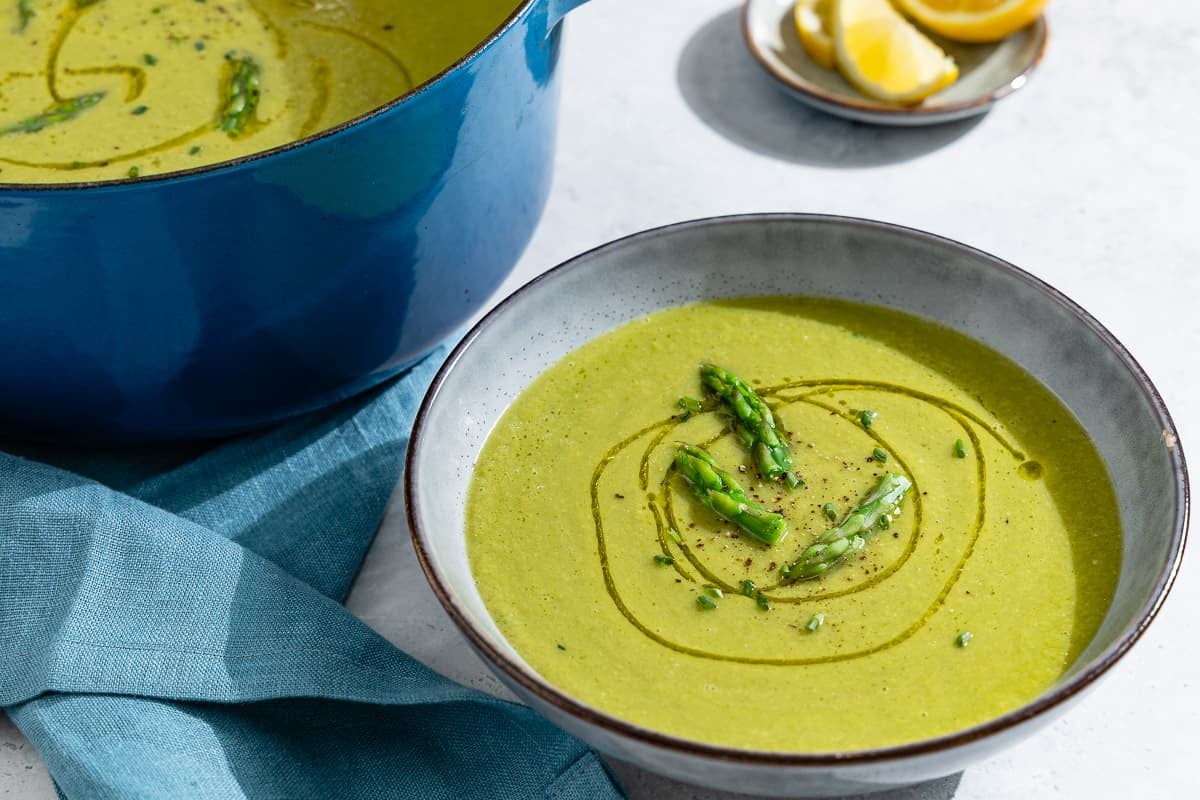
812, 24
973, 20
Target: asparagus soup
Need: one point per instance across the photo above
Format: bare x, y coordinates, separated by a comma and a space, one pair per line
109, 89
793, 525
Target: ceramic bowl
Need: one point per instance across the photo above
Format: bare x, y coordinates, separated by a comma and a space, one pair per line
970, 291
987, 72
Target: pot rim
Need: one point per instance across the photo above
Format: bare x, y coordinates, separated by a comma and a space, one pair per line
523, 8
527, 679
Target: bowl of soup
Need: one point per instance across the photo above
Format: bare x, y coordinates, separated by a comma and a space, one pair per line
796, 505
217, 215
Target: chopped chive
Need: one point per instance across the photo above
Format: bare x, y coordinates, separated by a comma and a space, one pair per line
960, 448
705, 602
817, 621
867, 418
134, 171
964, 638
690, 405
199, 45
139, 110
25, 13
748, 587
150, 59
713, 591
662, 560
880, 455
194, 149
884, 523
830, 511
157, 9
561, 646
762, 601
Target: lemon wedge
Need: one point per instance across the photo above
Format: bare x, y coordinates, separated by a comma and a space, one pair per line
973, 20
884, 56
812, 24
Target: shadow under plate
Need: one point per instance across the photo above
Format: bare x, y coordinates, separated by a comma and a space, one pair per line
734, 96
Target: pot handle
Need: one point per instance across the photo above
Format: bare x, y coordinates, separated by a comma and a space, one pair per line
557, 9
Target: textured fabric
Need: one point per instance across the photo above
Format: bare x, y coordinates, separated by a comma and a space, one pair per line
171, 627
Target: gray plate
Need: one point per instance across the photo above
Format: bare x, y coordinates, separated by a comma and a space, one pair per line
987, 72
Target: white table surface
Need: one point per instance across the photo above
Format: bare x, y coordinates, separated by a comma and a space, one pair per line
1089, 178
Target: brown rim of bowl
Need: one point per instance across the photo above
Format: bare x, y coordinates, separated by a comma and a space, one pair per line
522, 8
802, 86
543, 690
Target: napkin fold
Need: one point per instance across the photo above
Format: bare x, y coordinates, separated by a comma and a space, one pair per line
171, 626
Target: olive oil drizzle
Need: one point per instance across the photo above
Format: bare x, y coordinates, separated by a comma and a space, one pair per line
365, 42
71, 16
181, 139
320, 82
828, 387
644, 464
965, 419
281, 41
661, 531
135, 75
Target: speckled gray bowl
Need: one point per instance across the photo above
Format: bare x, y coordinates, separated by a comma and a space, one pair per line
965, 289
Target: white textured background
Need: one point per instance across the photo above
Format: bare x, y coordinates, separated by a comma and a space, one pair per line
1089, 178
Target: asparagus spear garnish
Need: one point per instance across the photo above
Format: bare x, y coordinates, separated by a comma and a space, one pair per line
717, 489
754, 423
242, 96
836, 543
59, 112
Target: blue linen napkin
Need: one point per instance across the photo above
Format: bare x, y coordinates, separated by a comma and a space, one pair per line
171, 627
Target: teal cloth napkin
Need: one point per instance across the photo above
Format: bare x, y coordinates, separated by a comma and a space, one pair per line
171, 627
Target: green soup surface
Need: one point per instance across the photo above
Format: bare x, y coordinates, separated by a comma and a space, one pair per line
110, 89
990, 581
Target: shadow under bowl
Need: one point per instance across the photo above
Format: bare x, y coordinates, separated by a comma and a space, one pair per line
964, 289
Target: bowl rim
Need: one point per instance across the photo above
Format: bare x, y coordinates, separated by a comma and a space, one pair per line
523, 7
883, 111
543, 690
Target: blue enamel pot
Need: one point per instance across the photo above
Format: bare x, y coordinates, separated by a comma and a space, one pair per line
211, 301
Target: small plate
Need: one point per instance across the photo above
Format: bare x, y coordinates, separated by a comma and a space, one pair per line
987, 72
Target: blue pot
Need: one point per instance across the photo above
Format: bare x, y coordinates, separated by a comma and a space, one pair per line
206, 302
